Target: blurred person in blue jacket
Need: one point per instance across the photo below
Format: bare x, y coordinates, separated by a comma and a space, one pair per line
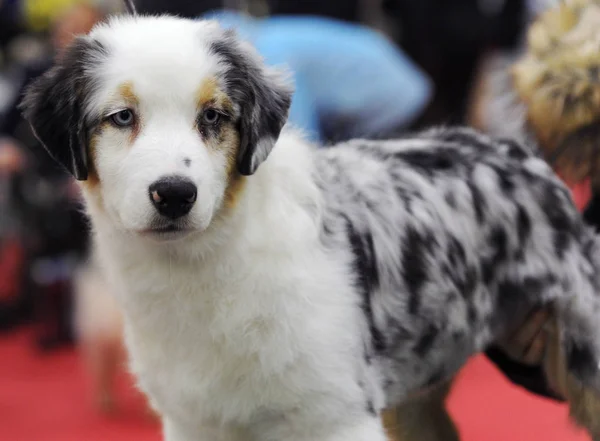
350, 81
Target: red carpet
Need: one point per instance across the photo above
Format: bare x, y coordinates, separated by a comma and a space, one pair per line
44, 398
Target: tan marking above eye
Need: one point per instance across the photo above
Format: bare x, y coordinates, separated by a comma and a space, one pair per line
126, 92
209, 94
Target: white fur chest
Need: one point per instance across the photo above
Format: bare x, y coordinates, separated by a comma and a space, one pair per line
231, 341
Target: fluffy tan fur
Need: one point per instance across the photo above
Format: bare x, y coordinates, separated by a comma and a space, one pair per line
558, 80
93, 179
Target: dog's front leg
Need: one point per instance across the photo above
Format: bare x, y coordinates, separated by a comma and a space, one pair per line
423, 418
174, 431
366, 427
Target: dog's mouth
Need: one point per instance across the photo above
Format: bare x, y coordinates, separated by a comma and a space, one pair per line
169, 231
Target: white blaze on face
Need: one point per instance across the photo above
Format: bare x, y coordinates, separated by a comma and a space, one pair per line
155, 67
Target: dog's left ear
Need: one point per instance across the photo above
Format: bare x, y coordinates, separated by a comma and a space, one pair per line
263, 94
53, 106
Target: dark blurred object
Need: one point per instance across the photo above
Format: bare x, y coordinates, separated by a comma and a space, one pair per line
53, 236
42, 210
347, 10
182, 8
447, 38
43, 234
15, 303
529, 377
592, 212
57, 218
10, 22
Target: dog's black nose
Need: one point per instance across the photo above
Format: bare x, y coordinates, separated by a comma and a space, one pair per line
173, 196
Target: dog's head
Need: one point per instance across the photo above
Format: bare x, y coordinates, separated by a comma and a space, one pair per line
161, 118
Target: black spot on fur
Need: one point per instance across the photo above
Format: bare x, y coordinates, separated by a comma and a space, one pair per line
471, 314
187, 162
430, 161
464, 137
406, 200
487, 270
513, 295
581, 361
498, 242
515, 150
365, 268
456, 251
523, 225
371, 408
414, 265
478, 201
458, 336
510, 295
450, 199
555, 211
558, 218
467, 284
426, 341
505, 180
562, 240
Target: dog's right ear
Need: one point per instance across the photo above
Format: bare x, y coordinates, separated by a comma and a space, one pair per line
54, 106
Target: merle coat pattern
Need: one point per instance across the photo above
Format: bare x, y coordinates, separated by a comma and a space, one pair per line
455, 237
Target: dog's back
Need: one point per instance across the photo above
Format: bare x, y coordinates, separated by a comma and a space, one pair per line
485, 233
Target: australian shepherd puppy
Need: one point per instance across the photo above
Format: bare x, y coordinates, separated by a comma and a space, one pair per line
273, 291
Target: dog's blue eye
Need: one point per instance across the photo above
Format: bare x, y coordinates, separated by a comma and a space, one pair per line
124, 118
210, 116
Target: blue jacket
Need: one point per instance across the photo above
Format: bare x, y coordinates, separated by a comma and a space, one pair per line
346, 76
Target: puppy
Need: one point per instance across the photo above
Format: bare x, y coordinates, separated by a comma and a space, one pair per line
275, 291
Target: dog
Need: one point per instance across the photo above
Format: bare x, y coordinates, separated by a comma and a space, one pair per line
275, 291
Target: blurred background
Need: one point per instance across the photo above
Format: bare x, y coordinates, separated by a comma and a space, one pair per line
363, 68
